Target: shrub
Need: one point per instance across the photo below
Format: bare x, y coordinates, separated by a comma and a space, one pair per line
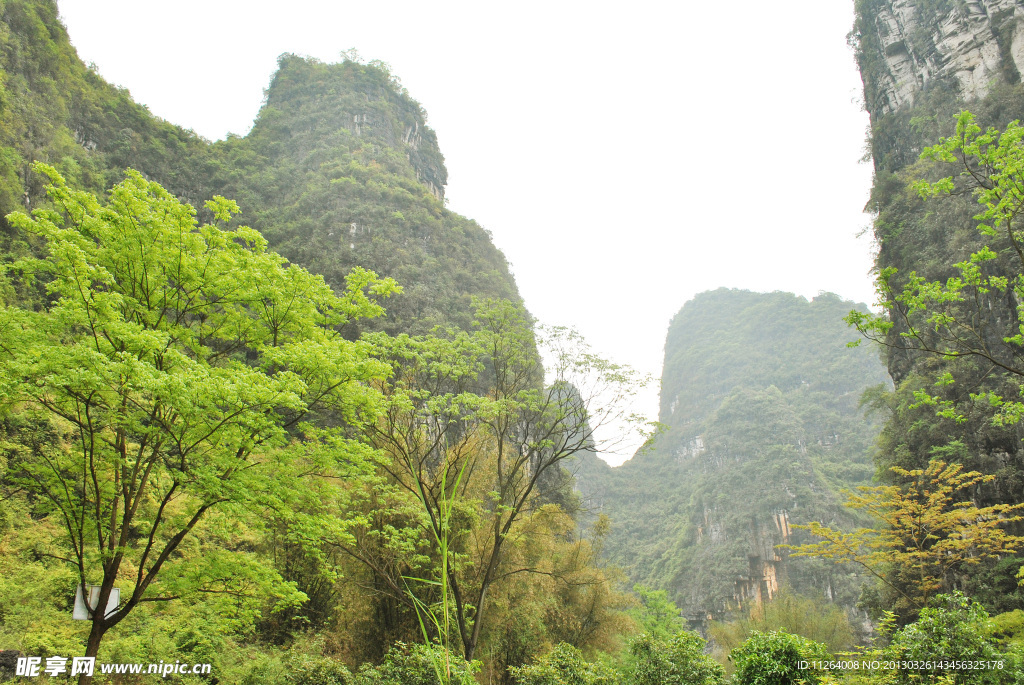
417, 665
311, 669
954, 628
773, 658
679, 660
563, 665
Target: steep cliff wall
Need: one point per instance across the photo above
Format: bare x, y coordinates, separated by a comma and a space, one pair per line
322, 100
922, 62
760, 396
970, 44
341, 170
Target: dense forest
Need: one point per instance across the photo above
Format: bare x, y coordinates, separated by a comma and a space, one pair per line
270, 412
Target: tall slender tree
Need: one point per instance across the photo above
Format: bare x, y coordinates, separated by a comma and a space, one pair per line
496, 450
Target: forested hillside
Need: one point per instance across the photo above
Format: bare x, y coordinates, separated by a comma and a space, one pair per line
340, 168
257, 452
761, 404
271, 413
737, 467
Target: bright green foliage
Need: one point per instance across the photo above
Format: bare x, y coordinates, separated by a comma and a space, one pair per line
657, 615
1008, 627
947, 318
402, 665
340, 169
774, 658
678, 660
311, 670
168, 368
35, 590
958, 630
960, 325
936, 238
415, 665
563, 665
481, 467
952, 629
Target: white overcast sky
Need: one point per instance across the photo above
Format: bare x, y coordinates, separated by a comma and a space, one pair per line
624, 156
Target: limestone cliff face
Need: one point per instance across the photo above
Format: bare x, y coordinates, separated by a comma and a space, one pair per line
760, 403
766, 571
922, 63
360, 100
339, 170
972, 44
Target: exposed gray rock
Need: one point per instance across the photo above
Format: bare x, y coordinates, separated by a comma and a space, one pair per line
969, 43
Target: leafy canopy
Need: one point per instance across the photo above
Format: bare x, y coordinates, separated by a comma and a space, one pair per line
174, 366
774, 658
923, 533
677, 660
951, 318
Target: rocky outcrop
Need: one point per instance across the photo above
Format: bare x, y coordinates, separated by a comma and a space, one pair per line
366, 101
759, 403
971, 43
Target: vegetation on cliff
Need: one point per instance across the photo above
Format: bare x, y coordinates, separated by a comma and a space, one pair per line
330, 553
339, 170
271, 459
761, 405
938, 281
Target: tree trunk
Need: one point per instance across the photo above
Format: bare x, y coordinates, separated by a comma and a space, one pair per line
92, 648
474, 640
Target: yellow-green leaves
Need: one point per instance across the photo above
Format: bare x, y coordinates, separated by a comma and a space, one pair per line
956, 317
176, 362
222, 208
924, 531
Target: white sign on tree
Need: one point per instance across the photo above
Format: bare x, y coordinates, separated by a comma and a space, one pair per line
81, 613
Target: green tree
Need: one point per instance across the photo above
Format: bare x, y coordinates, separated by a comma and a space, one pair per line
958, 630
563, 665
951, 319
416, 665
175, 366
678, 660
962, 334
925, 533
488, 455
775, 658
657, 615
